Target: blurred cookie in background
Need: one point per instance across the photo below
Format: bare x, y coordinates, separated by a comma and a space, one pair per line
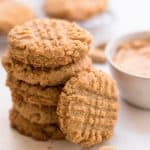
96, 16
74, 10
13, 13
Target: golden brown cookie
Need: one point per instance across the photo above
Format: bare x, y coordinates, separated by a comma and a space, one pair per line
48, 43
38, 132
77, 10
34, 94
88, 107
13, 13
33, 113
44, 76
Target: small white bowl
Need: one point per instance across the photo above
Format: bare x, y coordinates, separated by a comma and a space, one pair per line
135, 89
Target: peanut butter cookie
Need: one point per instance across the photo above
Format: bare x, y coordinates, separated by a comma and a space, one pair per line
39, 115
77, 10
13, 13
48, 43
88, 108
33, 94
44, 76
38, 132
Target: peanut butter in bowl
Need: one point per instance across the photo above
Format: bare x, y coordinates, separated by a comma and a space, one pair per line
128, 57
133, 57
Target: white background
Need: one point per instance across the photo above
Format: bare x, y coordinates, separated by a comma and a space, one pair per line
133, 127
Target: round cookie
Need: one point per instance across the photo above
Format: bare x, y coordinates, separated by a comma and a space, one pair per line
48, 43
13, 13
88, 107
78, 10
44, 76
38, 132
34, 94
39, 115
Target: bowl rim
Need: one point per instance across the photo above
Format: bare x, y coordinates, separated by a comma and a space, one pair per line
113, 44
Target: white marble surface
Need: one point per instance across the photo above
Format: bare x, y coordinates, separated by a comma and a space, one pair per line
133, 127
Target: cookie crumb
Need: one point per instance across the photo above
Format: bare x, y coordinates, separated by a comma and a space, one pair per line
49, 147
97, 56
85, 148
101, 46
107, 148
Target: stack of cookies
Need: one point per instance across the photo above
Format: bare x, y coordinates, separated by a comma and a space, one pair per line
42, 55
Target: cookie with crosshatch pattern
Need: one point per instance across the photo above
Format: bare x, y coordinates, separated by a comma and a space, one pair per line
50, 43
88, 108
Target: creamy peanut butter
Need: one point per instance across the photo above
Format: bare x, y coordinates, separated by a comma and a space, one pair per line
134, 57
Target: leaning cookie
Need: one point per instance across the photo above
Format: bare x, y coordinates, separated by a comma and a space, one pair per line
13, 13
39, 115
44, 76
77, 10
88, 108
34, 94
48, 43
38, 132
